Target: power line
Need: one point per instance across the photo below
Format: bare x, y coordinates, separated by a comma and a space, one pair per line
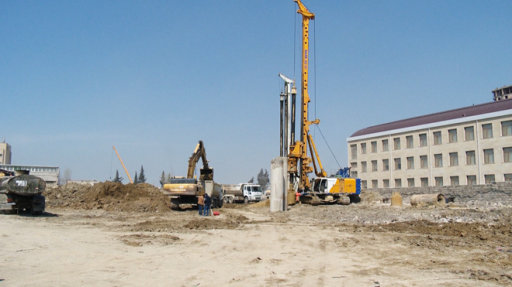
332, 153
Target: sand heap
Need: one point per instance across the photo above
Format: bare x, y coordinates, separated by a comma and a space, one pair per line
111, 196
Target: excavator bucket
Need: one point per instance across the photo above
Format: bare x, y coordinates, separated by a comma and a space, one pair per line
206, 174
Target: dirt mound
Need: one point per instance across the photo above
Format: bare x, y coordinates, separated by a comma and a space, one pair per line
230, 222
111, 196
497, 232
181, 224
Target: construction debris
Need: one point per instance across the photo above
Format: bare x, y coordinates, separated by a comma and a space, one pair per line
436, 199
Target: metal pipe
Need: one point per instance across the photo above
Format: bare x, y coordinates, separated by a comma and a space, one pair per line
281, 126
286, 127
294, 95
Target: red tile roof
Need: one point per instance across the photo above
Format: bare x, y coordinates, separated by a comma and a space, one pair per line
438, 117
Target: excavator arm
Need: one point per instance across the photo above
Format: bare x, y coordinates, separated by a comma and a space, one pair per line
206, 173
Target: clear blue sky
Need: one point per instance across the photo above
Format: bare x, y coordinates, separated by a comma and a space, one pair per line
154, 77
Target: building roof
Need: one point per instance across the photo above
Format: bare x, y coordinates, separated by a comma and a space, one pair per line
460, 113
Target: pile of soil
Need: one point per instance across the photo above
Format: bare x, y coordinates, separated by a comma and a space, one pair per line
181, 224
111, 196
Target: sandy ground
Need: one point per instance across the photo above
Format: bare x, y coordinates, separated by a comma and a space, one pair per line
356, 245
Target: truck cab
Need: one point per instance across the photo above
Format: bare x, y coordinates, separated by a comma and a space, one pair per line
252, 192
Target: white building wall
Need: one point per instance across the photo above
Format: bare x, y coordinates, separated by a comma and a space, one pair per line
480, 169
48, 173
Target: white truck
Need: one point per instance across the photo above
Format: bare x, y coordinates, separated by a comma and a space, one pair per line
242, 192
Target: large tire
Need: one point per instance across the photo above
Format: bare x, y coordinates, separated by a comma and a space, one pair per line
246, 200
175, 203
355, 198
38, 204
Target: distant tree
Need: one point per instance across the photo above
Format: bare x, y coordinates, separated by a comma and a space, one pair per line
142, 177
263, 179
136, 179
117, 178
251, 180
169, 177
162, 178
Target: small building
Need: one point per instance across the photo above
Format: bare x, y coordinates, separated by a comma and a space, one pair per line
48, 173
503, 93
5, 153
465, 146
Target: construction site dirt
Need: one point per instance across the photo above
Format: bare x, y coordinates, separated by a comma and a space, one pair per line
126, 235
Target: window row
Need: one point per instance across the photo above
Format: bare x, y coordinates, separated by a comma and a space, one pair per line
438, 181
452, 160
469, 135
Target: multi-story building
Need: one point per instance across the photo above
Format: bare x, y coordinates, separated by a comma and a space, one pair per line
5, 153
466, 146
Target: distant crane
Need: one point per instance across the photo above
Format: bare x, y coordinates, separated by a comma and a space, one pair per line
122, 163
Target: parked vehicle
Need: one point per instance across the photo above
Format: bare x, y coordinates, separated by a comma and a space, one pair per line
22, 192
243, 192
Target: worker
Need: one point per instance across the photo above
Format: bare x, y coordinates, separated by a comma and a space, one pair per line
207, 204
200, 204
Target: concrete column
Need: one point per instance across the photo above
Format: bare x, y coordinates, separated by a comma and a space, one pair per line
278, 184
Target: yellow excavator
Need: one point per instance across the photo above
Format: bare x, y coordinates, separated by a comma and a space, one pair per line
185, 190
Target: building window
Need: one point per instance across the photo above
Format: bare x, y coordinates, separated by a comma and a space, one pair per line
508, 177
385, 164
424, 181
489, 178
439, 181
385, 145
452, 136
506, 128
487, 131
353, 167
438, 160
489, 156
469, 133
385, 182
409, 141
437, 138
374, 165
410, 182
363, 148
374, 184
396, 142
471, 179
374, 147
454, 159
423, 161
398, 182
454, 180
507, 154
398, 163
363, 166
364, 184
353, 151
410, 162
423, 139
470, 157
